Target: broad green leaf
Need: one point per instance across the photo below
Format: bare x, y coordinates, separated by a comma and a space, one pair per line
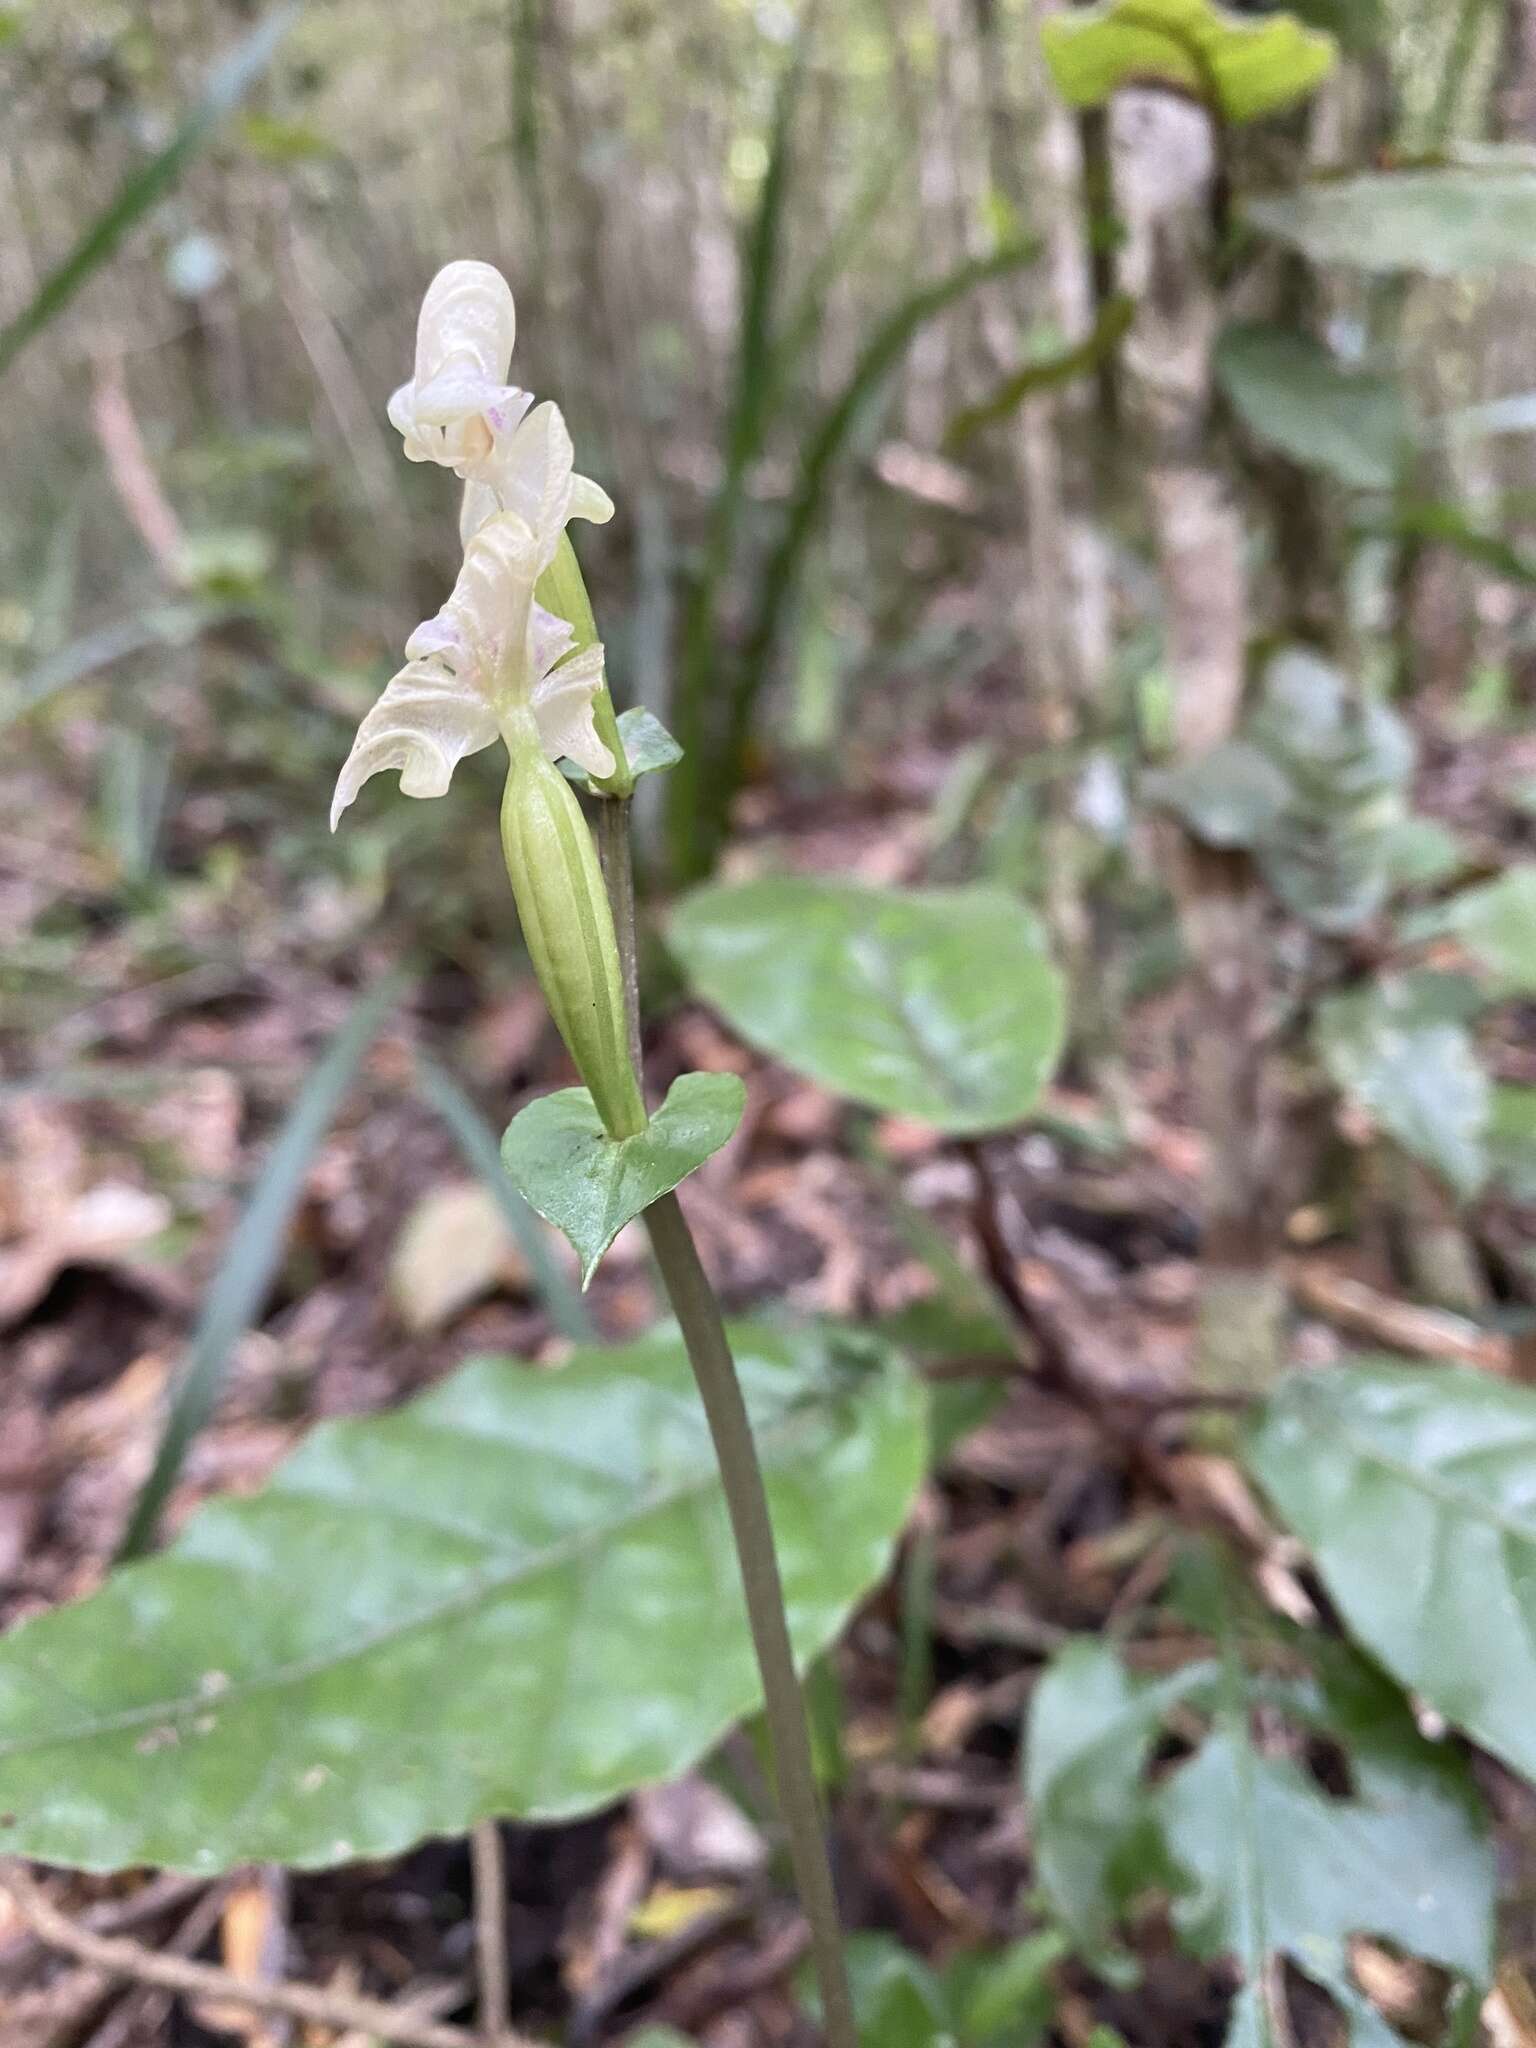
939, 1003
1278, 1865
514, 1596
1496, 922
145, 187
1393, 1048
1412, 1487
1241, 68
1092, 1725
1294, 394
1512, 1141
1232, 796
648, 747
251, 1257
564, 1164
1444, 222
1263, 1860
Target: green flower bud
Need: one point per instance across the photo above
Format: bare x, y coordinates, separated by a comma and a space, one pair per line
568, 927
562, 590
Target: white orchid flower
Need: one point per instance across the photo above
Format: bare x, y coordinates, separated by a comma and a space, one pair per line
458, 405
491, 661
529, 471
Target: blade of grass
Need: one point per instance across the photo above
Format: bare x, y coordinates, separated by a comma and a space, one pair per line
697, 692
227, 85
818, 462
250, 1259
1046, 374
477, 1141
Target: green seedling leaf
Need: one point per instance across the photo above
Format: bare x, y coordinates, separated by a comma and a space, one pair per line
1264, 1860
250, 1260
564, 1164
514, 1596
939, 1003
1495, 922
648, 747
1446, 222
1411, 1065
1412, 1488
144, 188
1295, 396
1241, 69
1092, 1725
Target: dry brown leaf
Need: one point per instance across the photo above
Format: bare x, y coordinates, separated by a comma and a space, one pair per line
453, 1248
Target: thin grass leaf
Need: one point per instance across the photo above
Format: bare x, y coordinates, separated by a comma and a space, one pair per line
251, 1257
696, 694
818, 462
1047, 373
166, 625
482, 1151
143, 189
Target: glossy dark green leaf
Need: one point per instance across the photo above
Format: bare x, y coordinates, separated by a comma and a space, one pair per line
1496, 923
648, 747
1412, 1487
514, 1596
1241, 67
564, 1164
1294, 395
940, 1003
1413, 1068
1445, 222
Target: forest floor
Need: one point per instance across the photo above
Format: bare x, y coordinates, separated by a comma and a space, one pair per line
1059, 1513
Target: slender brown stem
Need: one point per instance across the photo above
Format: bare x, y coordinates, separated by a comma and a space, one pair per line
488, 1869
709, 1352
343, 2011
698, 1315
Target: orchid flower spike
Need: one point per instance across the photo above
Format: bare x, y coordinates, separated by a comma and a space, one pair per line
493, 662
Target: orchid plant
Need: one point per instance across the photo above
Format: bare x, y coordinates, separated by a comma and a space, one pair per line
513, 654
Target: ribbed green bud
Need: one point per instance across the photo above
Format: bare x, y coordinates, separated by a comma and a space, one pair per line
568, 928
562, 589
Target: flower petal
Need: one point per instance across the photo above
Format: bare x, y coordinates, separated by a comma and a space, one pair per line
562, 710
424, 724
590, 501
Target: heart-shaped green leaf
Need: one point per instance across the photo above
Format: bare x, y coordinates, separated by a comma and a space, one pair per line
1241, 68
939, 1003
562, 1161
648, 748
514, 1596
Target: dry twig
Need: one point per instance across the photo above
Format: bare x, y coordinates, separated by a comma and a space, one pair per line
326, 2008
